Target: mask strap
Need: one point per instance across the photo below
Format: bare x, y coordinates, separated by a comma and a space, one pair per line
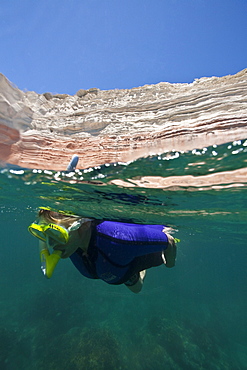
77, 224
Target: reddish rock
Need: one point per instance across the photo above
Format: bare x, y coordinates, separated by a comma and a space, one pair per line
119, 125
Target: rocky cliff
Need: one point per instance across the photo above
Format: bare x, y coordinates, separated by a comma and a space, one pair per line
44, 131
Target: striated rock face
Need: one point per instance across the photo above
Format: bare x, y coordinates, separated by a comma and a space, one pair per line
44, 131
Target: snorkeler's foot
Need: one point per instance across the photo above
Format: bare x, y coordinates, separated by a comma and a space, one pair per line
143, 274
169, 254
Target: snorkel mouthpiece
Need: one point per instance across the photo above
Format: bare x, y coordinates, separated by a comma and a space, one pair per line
49, 261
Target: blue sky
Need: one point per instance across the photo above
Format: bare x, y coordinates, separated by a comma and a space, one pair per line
62, 46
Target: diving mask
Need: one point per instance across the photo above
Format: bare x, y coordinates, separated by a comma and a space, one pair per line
53, 233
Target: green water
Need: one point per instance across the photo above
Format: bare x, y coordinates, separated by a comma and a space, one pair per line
190, 317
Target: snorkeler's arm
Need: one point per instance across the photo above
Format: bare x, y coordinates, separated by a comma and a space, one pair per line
48, 261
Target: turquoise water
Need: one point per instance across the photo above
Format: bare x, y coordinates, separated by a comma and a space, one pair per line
190, 317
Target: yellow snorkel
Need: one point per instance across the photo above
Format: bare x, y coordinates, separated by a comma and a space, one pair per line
49, 236
49, 261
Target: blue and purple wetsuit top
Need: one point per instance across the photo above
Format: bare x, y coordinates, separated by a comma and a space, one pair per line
118, 250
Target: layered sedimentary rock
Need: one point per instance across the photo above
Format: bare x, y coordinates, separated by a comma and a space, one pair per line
44, 131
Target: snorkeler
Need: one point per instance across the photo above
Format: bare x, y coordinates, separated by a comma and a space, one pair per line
115, 252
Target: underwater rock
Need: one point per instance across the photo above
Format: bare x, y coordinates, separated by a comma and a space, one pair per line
44, 131
91, 349
186, 345
6, 341
97, 349
13, 349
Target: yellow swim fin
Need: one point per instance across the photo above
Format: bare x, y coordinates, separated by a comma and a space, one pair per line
49, 261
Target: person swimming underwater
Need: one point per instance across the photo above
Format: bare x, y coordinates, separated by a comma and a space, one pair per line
115, 252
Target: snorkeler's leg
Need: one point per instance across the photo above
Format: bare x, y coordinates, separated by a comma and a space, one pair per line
169, 254
135, 283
